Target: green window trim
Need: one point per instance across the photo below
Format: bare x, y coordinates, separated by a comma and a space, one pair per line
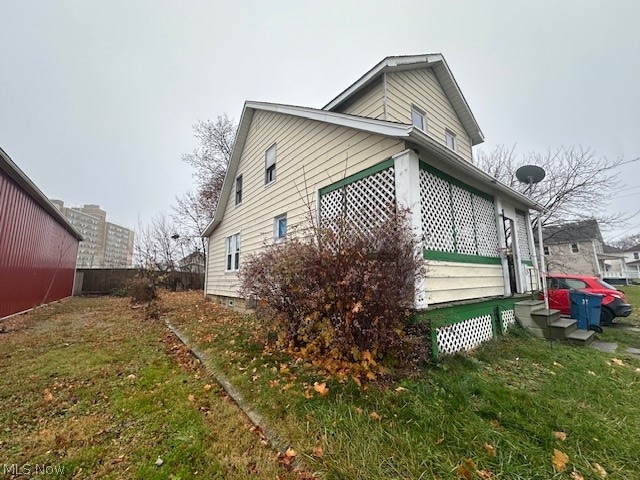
460, 257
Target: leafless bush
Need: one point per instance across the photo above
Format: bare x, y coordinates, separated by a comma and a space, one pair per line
342, 294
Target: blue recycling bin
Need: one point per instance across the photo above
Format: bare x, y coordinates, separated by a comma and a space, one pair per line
585, 309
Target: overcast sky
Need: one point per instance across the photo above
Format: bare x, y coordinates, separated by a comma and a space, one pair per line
98, 99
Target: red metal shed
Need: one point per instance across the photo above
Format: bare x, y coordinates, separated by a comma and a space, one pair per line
38, 247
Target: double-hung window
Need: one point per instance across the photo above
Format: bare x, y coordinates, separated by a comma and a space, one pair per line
419, 118
270, 165
232, 258
450, 139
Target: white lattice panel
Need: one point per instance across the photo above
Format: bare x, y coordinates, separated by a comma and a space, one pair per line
508, 318
486, 228
331, 206
365, 203
464, 222
464, 335
437, 222
523, 237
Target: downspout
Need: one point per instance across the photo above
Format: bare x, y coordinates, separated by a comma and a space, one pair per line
543, 263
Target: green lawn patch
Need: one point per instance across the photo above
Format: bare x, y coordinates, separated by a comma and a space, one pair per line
500, 412
92, 389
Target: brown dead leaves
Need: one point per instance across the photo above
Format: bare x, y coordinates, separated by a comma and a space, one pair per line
559, 460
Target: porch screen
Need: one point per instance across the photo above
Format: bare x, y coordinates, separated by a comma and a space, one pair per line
456, 219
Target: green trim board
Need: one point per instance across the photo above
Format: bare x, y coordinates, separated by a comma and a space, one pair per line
358, 176
527, 262
451, 315
431, 169
460, 257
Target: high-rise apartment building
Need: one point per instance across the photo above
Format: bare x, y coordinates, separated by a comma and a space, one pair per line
105, 244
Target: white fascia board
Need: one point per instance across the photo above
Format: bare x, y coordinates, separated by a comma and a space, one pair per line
453, 92
377, 70
483, 177
380, 127
371, 125
232, 168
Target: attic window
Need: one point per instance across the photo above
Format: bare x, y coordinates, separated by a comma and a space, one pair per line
239, 190
270, 165
574, 248
636, 256
419, 118
546, 250
450, 140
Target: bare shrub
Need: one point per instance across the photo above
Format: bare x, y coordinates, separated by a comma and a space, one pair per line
342, 294
141, 290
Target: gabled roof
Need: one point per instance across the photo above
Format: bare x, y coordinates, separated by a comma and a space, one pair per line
380, 127
411, 62
17, 175
611, 249
635, 248
573, 232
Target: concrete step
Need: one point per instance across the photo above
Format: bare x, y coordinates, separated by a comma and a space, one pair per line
581, 337
544, 317
561, 328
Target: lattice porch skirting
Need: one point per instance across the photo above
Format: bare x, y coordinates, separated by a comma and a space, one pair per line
465, 327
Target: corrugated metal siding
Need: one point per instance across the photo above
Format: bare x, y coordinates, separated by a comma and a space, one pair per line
37, 254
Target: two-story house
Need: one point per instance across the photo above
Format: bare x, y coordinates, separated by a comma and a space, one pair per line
400, 136
578, 248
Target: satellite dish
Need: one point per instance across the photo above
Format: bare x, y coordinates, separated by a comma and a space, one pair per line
530, 174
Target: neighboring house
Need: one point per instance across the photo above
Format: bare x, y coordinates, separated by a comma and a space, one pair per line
105, 244
38, 247
578, 248
401, 135
194, 262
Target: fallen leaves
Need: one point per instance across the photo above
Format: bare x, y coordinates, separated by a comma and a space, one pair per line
576, 476
491, 450
287, 458
318, 452
599, 470
560, 436
47, 395
321, 389
375, 416
559, 460
617, 361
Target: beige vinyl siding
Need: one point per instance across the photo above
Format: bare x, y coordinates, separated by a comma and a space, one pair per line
422, 89
368, 103
452, 281
327, 153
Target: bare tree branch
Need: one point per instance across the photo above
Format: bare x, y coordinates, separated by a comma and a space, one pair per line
578, 183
